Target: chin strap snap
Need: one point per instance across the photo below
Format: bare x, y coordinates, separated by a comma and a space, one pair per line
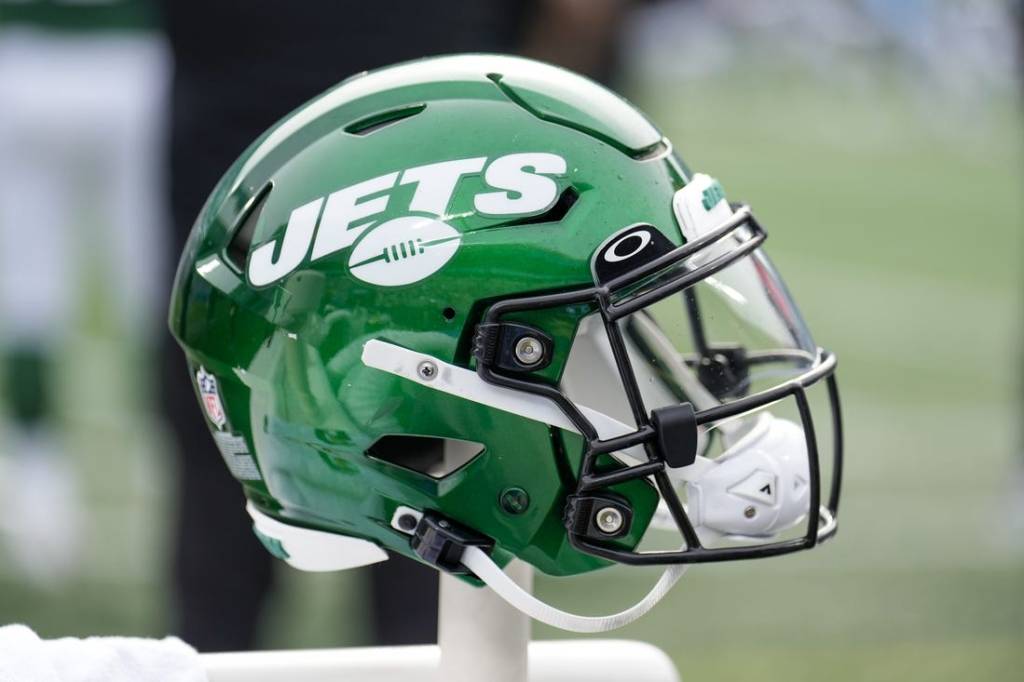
458, 550
477, 560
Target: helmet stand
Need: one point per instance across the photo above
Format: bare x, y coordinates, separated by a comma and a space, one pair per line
481, 638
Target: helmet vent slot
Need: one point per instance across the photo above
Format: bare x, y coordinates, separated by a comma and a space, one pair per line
428, 455
566, 200
238, 248
381, 119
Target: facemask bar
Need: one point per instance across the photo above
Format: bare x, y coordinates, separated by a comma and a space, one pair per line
821, 523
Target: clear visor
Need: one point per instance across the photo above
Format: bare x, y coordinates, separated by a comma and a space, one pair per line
732, 334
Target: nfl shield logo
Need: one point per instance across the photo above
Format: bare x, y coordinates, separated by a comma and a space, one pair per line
211, 398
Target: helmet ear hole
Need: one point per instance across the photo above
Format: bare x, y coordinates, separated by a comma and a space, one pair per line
448, 313
428, 455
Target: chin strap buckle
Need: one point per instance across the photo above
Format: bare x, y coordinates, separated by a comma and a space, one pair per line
441, 542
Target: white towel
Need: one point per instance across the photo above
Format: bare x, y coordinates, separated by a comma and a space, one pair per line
26, 658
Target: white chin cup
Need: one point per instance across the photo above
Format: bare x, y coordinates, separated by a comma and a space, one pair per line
758, 487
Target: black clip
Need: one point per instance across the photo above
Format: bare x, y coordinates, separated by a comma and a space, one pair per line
485, 342
495, 343
725, 371
676, 435
582, 512
440, 542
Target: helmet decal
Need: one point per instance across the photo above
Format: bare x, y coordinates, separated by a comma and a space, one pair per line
627, 250
408, 248
700, 206
403, 251
210, 394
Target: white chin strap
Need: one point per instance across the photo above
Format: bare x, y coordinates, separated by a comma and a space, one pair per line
476, 560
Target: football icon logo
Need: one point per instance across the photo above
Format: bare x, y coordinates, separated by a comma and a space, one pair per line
403, 250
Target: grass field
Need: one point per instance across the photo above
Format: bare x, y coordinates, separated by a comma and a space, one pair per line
898, 227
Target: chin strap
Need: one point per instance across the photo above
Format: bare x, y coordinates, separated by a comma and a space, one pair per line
478, 561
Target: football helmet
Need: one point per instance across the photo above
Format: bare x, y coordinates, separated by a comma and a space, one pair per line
475, 308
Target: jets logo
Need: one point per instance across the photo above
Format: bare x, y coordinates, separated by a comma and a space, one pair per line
409, 248
403, 251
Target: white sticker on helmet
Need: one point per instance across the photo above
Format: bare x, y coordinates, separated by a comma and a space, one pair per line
235, 452
700, 207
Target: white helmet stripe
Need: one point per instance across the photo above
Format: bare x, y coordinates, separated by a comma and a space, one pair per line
467, 384
476, 560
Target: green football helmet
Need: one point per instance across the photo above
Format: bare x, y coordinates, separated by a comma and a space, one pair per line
474, 308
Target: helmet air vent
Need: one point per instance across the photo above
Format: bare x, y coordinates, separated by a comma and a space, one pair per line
566, 200
381, 119
238, 248
428, 455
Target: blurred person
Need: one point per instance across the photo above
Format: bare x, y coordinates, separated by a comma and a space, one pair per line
240, 66
82, 93
580, 35
959, 49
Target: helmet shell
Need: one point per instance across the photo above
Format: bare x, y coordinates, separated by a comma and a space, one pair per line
286, 353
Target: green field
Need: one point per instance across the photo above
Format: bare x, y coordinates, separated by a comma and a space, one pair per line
898, 228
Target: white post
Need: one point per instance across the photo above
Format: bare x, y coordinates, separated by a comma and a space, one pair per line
481, 637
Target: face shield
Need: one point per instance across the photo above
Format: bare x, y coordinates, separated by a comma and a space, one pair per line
696, 373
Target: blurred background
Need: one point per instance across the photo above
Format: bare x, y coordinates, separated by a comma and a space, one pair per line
880, 142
